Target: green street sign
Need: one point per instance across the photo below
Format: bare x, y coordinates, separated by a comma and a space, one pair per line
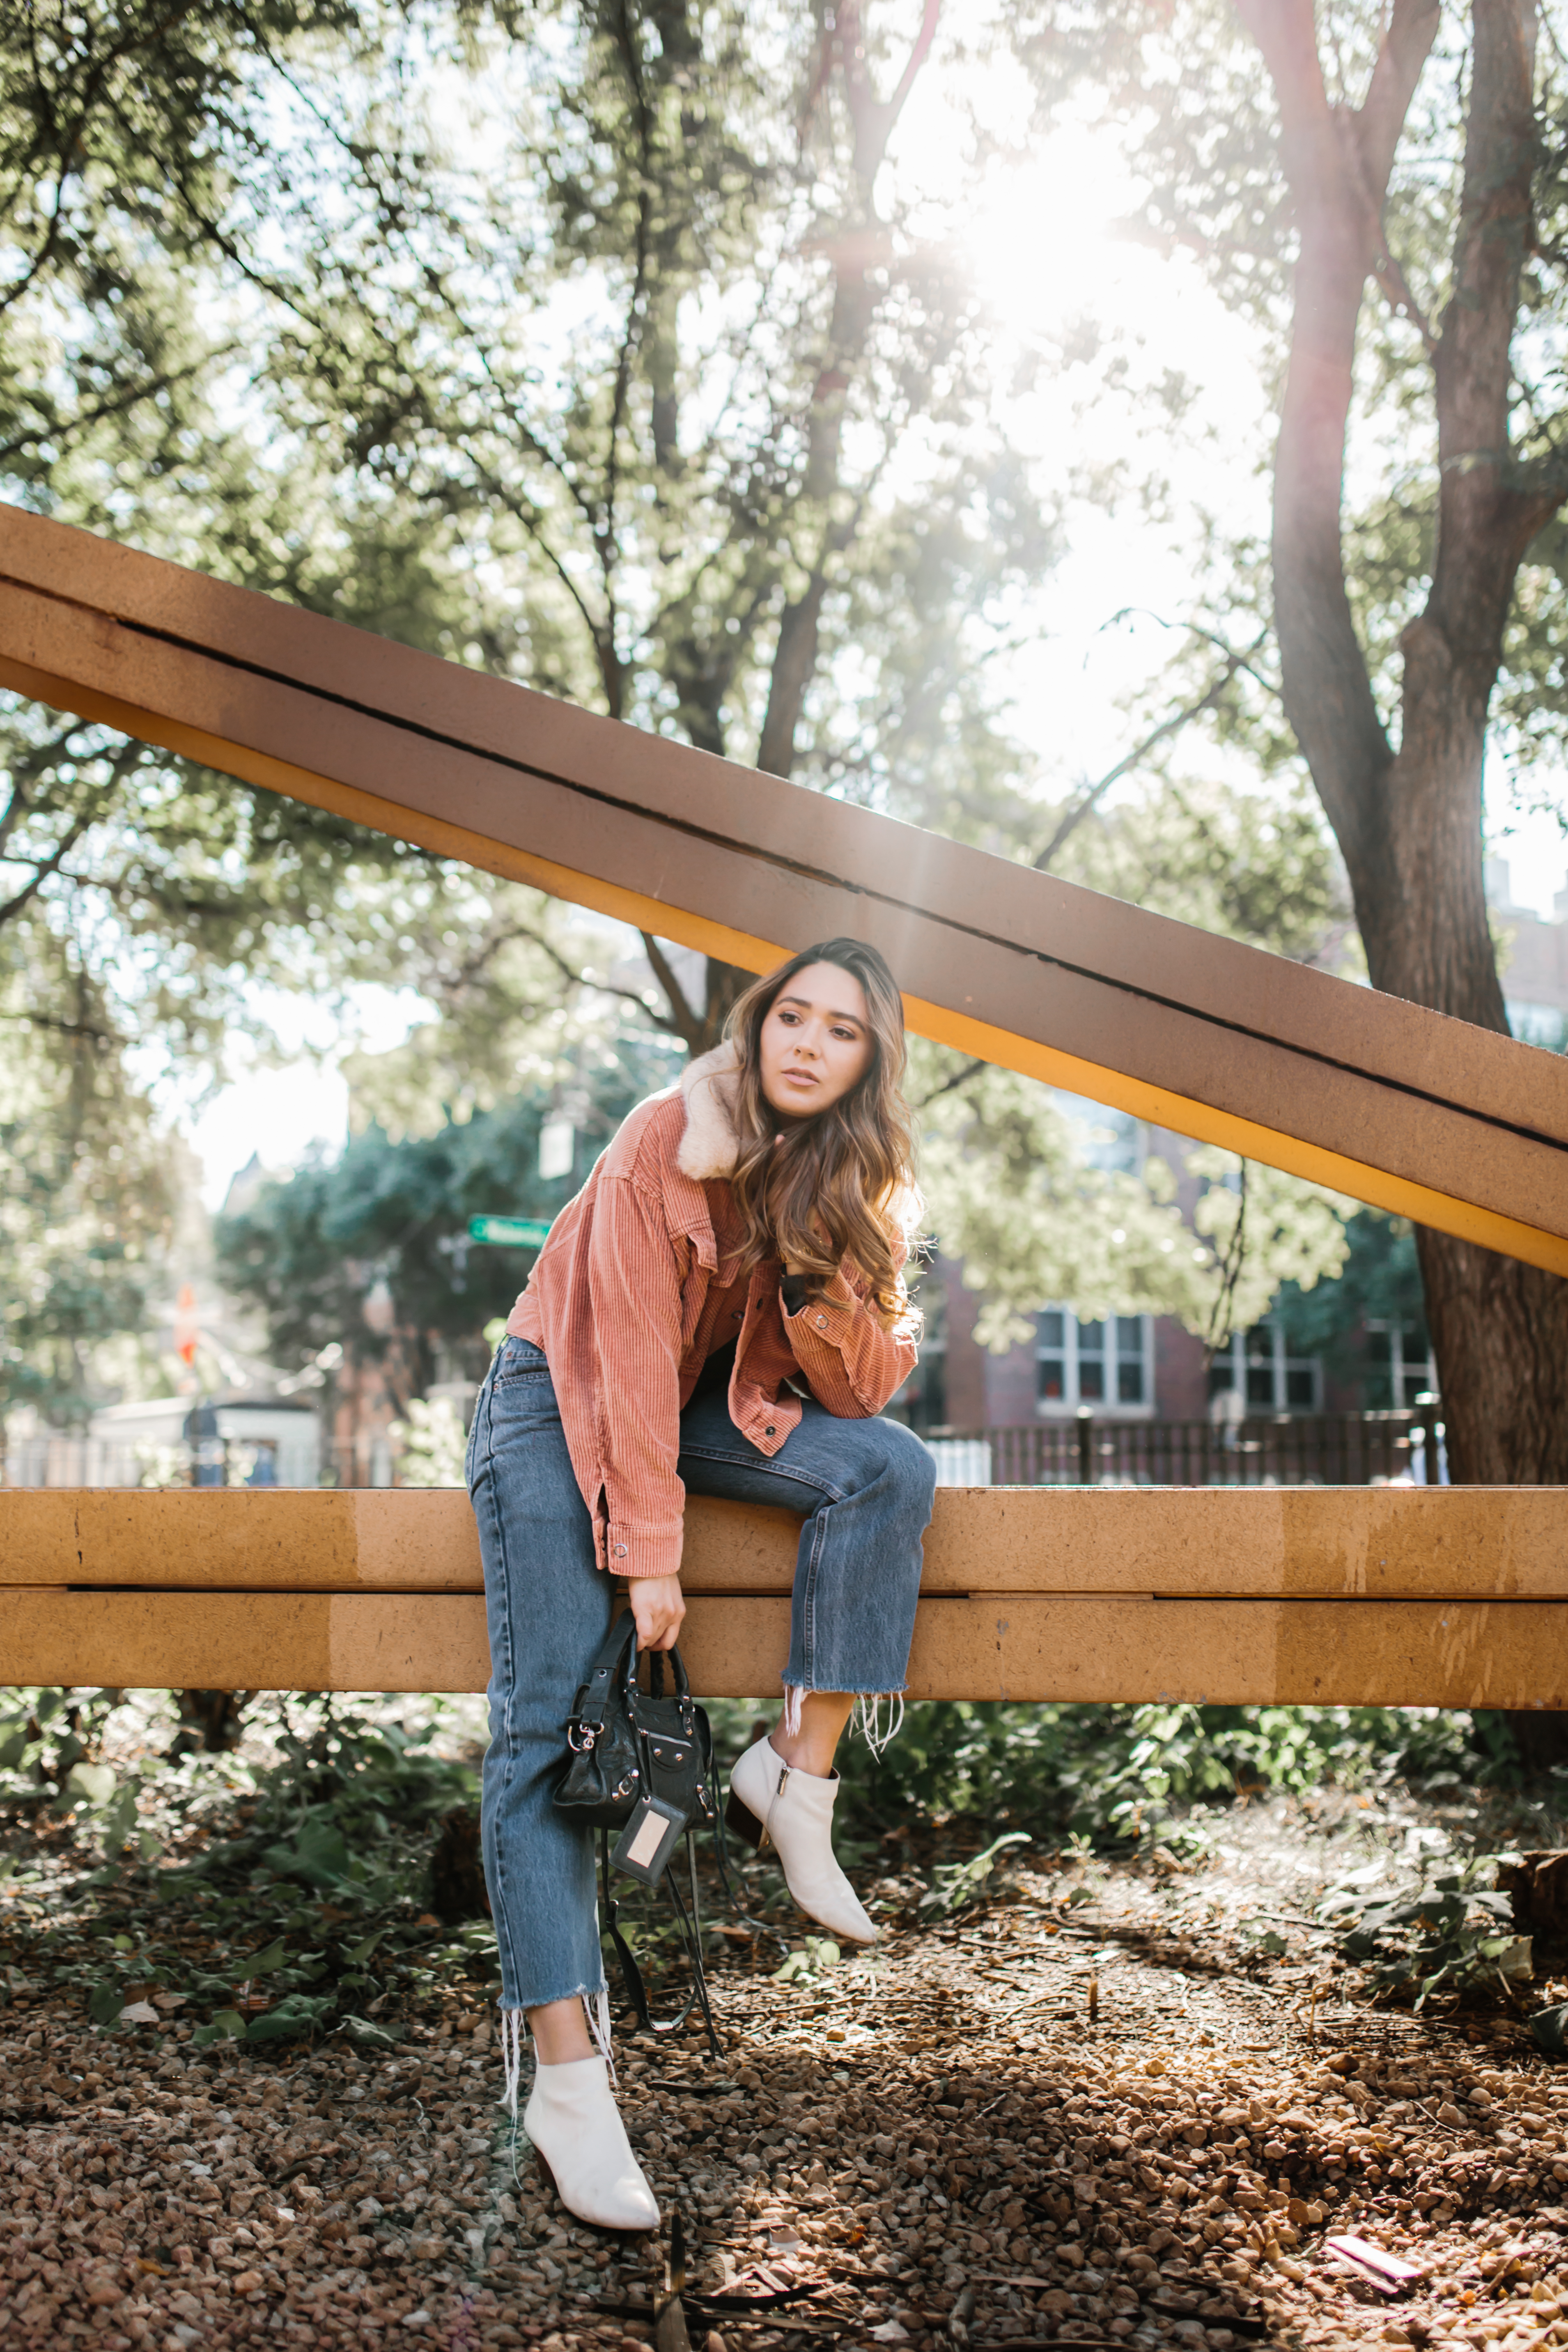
510, 1232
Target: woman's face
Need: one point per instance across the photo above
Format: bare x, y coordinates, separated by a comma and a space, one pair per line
816, 1040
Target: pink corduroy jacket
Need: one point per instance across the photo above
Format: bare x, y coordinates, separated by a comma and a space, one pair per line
640, 1282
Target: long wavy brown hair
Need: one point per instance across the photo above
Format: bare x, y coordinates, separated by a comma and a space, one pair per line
815, 1192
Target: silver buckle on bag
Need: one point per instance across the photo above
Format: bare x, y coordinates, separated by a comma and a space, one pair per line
582, 1738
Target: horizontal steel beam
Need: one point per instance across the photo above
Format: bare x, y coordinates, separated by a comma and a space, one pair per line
1442, 1122
1507, 1654
1345, 1543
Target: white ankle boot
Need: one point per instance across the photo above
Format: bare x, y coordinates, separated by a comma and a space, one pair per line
574, 2122
772, 1802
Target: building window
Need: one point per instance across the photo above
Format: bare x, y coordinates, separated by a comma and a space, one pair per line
1256, 1368
1090, 1363
1401, 1373
1103, 1365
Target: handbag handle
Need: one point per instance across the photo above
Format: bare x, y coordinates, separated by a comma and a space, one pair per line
622, 1638
655, 1673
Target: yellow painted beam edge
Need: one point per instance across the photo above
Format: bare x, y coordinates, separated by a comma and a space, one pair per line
1179, 1113
1182, 1116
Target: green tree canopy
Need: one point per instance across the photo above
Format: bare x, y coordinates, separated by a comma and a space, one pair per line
604, 349
308, 1249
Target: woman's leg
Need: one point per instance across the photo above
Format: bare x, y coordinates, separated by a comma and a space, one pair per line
864, 1489
547, 1609
812, 1746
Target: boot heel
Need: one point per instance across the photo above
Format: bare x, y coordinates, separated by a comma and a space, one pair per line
740, 1818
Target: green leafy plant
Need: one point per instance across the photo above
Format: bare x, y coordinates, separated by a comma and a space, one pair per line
959, 1882
51, 1737
1447, 1933
816, 1960
366, 2034
319, 1854
1113, 1775
296, 2015
431, 1444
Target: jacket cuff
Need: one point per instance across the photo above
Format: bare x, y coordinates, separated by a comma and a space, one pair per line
631, 1551
828, 1318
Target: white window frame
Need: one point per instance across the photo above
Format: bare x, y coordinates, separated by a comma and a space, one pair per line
1423, 1369
1238, 1361
1068, 1406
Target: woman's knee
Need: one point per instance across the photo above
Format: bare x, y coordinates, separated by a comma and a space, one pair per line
909, 1465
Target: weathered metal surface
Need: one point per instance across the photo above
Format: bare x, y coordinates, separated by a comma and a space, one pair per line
1012, 1646
1383, 1543
1447, 1124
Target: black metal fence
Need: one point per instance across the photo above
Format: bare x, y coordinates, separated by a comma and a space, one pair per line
1321, 1450
1316, 1450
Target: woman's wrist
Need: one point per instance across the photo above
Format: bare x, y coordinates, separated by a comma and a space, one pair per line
659, 1605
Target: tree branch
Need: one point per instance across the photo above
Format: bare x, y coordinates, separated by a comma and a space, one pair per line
118, 406
11, 815
874, 117
1484, 521
685, 1021
950, 1085
1337, 168
1401, 61
605, 536
13, 907
1074, 817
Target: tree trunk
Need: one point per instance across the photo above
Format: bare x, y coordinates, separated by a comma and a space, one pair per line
1500, 1330
1409, 824
842, 48
211, 1722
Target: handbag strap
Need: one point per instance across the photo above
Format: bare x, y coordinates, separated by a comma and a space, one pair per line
594, 1696
689, 1927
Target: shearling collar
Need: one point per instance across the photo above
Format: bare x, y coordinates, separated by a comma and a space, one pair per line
710, 1145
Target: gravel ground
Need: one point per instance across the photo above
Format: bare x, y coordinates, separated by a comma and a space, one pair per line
1116, 2103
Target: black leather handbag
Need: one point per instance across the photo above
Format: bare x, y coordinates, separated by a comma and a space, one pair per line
639, 1768
640, 1763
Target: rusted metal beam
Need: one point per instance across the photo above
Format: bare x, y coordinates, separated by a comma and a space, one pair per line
1442, 1122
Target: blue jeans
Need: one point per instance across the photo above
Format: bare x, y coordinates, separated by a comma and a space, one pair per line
864, 1489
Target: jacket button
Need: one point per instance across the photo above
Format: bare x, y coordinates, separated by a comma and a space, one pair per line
620, 1551
770, 1431
822, 1322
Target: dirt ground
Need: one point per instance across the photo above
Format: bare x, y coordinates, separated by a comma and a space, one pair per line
1113, 2104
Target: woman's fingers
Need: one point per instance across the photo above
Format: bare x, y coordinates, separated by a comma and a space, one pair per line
659, 1605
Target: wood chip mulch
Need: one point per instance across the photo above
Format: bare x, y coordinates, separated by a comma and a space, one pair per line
1075, 2117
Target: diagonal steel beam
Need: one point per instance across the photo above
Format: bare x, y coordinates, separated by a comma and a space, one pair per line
1447, 1124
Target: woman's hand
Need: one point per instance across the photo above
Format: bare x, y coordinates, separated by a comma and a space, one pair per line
659, 1605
